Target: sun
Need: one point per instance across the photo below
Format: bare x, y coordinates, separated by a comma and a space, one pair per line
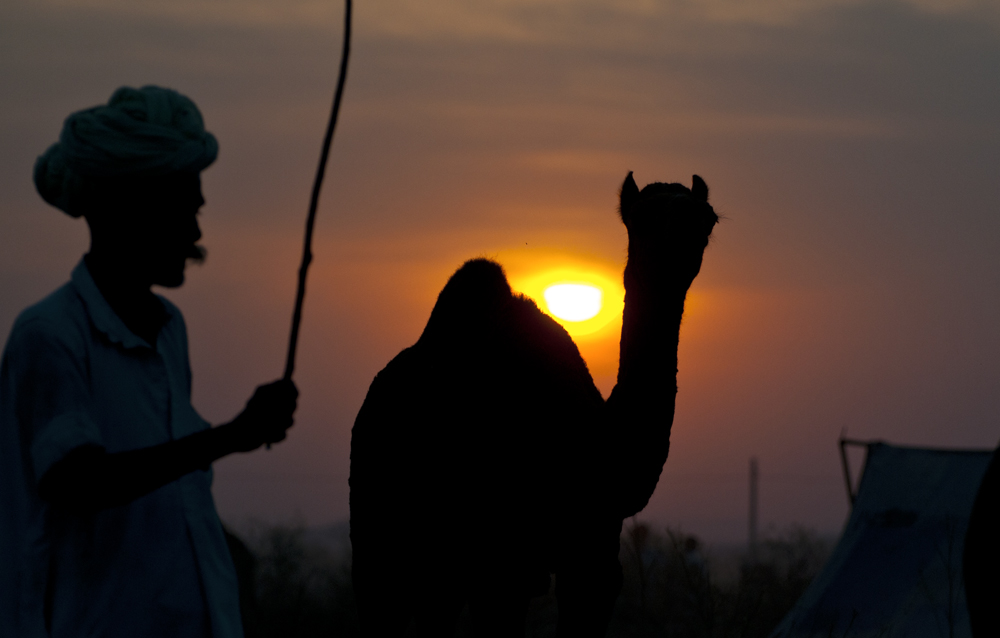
584, 298
574, 301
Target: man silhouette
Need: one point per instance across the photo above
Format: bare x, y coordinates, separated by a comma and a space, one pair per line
107, 523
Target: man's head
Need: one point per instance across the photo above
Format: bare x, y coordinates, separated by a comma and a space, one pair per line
131, 168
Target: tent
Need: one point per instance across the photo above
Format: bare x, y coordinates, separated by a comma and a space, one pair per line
897, 569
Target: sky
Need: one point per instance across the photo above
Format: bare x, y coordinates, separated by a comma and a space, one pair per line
850, 145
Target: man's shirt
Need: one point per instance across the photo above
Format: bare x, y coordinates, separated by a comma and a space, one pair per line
73, 375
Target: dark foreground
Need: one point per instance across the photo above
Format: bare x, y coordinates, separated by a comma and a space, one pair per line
296, 582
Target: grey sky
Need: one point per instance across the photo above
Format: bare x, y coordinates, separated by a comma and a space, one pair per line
852, 147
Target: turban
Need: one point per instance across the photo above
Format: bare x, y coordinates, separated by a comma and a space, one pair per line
144, 132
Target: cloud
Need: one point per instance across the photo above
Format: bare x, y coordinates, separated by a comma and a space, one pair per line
574, 161
234, 13
499, 20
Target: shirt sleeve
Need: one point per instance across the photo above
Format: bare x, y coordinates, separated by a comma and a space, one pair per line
52, 393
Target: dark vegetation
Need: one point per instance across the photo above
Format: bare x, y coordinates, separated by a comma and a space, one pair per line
297, 583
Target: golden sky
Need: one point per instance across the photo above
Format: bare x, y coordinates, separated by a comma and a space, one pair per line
851, 146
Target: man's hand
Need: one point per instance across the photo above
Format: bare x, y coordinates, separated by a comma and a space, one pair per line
266, 418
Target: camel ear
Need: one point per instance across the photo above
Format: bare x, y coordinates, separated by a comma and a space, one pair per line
627, 198
699, 188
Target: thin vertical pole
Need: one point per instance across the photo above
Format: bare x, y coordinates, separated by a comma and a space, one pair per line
307, 255
847, 470
752, 518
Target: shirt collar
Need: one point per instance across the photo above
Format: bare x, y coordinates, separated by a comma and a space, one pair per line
101, 315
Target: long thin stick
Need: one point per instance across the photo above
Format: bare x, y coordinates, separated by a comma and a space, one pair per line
307, 255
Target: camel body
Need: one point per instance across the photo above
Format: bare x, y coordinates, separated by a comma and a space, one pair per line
484, 458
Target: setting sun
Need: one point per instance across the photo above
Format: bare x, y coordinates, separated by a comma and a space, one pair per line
585, 296
573, 302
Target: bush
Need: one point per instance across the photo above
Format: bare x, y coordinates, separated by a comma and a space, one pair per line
674, 588
293, 584
290, 587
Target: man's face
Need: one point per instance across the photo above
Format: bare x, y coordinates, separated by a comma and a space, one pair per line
173, 230
155, 227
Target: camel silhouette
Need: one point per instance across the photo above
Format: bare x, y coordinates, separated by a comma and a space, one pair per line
485, 459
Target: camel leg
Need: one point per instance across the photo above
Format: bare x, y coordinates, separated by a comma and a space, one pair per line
437, 615
498, 603
589, 581
381, 595
381, 613
439, 588
499, 613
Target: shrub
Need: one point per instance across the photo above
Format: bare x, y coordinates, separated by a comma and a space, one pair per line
292, 585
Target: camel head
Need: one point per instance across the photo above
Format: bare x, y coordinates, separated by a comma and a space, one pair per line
668, 228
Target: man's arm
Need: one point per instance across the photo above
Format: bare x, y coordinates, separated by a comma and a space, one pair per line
90, 479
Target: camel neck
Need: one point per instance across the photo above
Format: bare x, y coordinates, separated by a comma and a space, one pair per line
650, 329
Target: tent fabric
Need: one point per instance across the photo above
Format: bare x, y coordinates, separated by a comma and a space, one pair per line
897, 570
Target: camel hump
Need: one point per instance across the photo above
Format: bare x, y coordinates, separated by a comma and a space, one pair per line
478, 279
477, 292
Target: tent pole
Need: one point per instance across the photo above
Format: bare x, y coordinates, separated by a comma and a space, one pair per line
847, 469
844, 442
752, 517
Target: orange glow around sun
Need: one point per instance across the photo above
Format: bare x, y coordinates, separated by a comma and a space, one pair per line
583, 297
